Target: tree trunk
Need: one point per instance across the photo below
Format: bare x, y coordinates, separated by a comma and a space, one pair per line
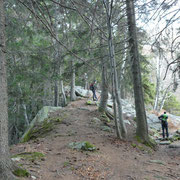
123, 66
158, 69
164, 98
64, 101
24, 106
116, 91
5, 161
104, 89
47, 97
73, 79
142, 128
85, 81
56, 93
104, 85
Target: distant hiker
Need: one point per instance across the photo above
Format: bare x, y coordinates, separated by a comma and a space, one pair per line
93, 89
164, 124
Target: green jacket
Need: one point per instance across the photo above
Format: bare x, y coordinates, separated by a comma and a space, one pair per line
163, 117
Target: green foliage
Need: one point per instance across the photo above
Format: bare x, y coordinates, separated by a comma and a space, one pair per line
21, 172
85, 146
148, 86
149, 90
133, 145
66, 163
172, 105
89, 102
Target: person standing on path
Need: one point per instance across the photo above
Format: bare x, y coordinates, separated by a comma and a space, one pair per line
93, 89
164, 123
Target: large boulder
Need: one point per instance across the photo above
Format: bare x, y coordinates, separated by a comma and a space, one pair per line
129, 113
153, 121
175, 120
79, 90
40, 121
82, 92
127, 109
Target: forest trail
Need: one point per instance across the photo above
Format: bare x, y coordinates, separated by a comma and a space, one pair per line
113, 160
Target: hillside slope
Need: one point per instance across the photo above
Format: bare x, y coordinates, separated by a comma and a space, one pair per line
113, 159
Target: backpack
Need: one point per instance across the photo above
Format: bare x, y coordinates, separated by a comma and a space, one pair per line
165, 117
91, 87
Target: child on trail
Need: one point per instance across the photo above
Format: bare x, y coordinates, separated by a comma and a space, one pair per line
93, 89
164, 124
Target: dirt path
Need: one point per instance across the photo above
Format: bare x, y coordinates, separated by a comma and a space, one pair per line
114, 159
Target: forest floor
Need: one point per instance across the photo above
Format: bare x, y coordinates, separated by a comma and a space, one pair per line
113, 160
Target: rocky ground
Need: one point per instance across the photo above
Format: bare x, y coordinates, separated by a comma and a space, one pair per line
113, 159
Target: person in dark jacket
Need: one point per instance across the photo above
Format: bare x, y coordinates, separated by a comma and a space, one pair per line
93, 89
164, 123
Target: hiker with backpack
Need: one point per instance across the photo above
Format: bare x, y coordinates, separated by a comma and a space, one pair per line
164, 123
93, 89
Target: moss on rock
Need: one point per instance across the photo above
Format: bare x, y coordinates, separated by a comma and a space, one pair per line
133, 145
106, 128
41, 124
31, 156
21, 172
105, 118
89, 102
85, 146
39, 130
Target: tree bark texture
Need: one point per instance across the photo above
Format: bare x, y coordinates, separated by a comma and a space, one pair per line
63, 95
104, 81
142, 128
158, 83
5, 161
59, 84
73, 79
47, 98
56, 93
104, 90
116, 92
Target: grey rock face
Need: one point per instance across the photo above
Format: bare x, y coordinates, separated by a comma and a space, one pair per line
82, 92
175, 145
175, 120
40, 117
165, 142
153, 121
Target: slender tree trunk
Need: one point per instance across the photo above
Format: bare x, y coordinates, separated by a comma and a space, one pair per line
85, 81
56, 93
64, 101
47, 98
24, 106
142, 128
164, 97
158, 83
63, 95
104, 85
104, 89
59, 87
73, 79
123, 130
5, 161
123, 66
162, 102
